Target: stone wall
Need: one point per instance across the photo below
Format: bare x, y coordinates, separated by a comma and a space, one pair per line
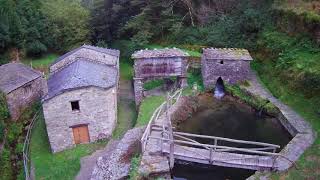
231, 71
98, 109
22, 97
86, 53
158, 68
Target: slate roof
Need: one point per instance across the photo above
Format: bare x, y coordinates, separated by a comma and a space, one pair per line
79, 74
111, 52
15, 75
226, 54
159, 53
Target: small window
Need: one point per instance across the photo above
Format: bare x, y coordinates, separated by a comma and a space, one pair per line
75, 106
221, 62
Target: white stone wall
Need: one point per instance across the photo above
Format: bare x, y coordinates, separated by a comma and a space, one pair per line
86, 53
25, 95
98, 109
231, 71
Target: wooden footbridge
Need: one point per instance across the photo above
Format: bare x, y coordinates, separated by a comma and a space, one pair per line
161, 138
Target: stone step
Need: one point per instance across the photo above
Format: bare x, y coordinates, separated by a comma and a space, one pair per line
116, 165
88, 162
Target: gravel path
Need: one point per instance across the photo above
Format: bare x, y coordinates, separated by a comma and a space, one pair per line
126, 98
89, 162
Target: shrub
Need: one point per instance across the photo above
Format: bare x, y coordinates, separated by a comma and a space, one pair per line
35, 48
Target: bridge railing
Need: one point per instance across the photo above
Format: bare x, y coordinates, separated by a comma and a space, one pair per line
157, 113
187, 141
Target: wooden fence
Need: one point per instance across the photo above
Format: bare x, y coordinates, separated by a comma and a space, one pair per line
26, 145
169, 139
156, 114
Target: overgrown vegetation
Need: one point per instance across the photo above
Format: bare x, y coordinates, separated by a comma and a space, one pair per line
254, 101
4, 115
34, 27
11, 162
135, 163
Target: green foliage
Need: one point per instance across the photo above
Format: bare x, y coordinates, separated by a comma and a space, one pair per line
68, 22
4, 111
135, 163
296, 60
11, 163
153, 84
4, 115
195, 78
254, 101
23, 26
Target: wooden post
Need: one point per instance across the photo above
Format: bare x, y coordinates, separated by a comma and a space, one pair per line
211, 154
171, 156
215, 143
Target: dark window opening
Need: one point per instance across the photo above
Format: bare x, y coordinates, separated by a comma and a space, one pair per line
221, 62
75, 106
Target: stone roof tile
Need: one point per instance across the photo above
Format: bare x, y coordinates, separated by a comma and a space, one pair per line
112, 52
15, 75
226, 54
79, 74
159, 53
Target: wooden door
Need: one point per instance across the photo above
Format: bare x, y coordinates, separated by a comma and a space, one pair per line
81, 134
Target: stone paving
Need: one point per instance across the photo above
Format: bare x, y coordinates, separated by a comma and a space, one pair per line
303, 135
116, 165
88, 162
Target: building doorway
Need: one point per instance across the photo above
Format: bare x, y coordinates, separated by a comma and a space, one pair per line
81, 134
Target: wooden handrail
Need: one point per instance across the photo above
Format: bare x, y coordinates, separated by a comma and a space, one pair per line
218, 147
227, 139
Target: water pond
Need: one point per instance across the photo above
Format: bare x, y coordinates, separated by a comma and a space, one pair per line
231, 119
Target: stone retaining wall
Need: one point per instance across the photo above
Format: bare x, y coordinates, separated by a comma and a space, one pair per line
302, 132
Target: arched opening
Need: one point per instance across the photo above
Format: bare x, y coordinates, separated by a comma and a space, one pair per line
221, 62
219, 90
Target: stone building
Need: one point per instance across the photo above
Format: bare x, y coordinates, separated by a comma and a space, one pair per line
158, 64
232, 65
22, 86
81, 104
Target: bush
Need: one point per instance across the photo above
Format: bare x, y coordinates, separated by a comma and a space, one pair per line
2, 129
4, 111
35, 48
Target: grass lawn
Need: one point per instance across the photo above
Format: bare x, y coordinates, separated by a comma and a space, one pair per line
309, 163
63, 165
42, 63
147, 107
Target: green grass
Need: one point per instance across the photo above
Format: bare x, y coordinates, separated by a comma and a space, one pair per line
135, 163
153, 84
42, 62
308, 108
126, 118
147, 107
62, 165
127, 114
126, 70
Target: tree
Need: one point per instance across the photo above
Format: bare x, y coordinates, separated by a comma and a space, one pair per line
67, 23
